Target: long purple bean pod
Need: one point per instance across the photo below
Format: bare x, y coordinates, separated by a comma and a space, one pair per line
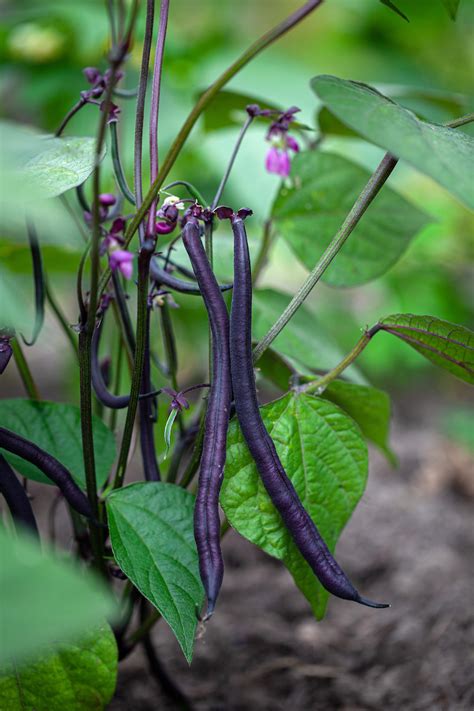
278, 485
163, 278
16, 497
206, 512
147, 410
50, 467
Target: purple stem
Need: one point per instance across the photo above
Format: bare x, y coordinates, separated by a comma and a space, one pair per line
142, 85
155, 105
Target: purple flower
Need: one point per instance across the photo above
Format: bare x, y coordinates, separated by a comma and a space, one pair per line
107, 199
278, 159
122, 260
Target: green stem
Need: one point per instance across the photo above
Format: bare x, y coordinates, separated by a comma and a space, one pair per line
267, 241
142, 630
56, 309
192, 190
320, 384
117, 163
24, 370
144, 258
204, 100
375, 183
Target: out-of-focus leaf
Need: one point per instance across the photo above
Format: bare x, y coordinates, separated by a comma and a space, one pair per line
303, 339
44, 599
62, 164
452, 6
151, 531
445, 344
77, 677
56, 428
309, 213
325, 457
369, 407
445, 154
391, 5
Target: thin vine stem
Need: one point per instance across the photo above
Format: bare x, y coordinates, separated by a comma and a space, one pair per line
192, 190
24, 370
155, 106
204, 100
320, 384
140, 116
230, 165
72, 112
117, 163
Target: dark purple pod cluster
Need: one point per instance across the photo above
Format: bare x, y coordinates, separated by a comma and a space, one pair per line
206, 513
278, 485
50, 466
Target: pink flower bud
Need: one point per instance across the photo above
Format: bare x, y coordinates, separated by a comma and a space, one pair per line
123, 261
292, 144
107, 199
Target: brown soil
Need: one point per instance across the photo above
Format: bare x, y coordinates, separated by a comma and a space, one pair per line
411, 541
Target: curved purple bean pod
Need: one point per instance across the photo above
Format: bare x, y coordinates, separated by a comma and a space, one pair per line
162, 277
38, 279
148, 415
16, 497
279, 487
206, 512
50, 467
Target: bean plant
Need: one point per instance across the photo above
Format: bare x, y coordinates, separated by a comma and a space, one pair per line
287, 474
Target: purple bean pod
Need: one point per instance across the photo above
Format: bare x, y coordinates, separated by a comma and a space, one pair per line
163, 278
50, 467
206, 512
103, 394
16, 498
279, 487
148, 415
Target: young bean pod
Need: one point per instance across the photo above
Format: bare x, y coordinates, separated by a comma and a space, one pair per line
206, 512
163, 278
278, 485
16, 497
50, 467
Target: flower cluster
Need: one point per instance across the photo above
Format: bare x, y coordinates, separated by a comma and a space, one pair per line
167, 215
99, 83
119, 259
278, 157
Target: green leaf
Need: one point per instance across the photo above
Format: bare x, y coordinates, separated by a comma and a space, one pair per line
310, 212
302, 340
445, 344
77, 678
325, 457
56, 428
369, 407
168, 429
452, 6
19, 145
445, 154
392, 6
44, 599
151, 531
62, 164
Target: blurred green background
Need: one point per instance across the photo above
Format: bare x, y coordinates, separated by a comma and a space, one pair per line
45, 45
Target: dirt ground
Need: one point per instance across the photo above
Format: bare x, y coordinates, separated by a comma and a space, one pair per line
410, 541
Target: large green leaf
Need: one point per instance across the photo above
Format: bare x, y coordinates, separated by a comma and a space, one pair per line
56, 428
446, 155
44, 599
151, 531
369, 407
309, 213
302, 340
445, 344
79, 677
62, 164
324, 455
